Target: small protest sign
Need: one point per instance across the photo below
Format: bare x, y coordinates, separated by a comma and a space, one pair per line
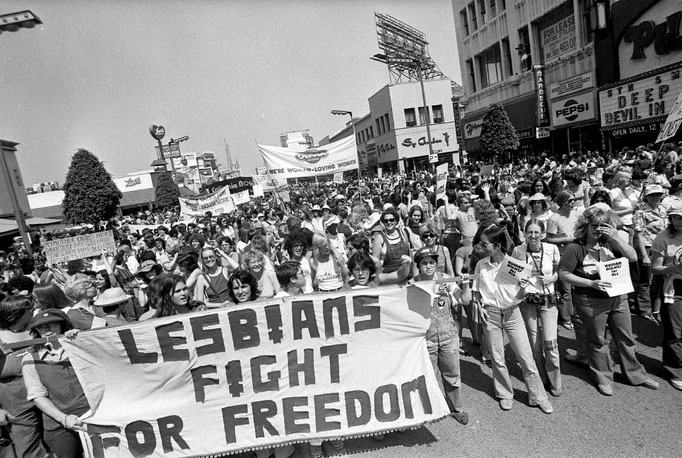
78, 247
616, 272
512, 271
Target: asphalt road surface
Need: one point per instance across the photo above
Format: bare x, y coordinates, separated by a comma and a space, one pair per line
634, 422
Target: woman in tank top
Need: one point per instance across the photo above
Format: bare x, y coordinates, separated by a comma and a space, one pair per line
390, 244
211, 287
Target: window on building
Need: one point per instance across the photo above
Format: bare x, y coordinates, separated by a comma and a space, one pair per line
465, 21
371, 132
471, 74
410, 117
358, 139
490, 66
472, 16
503, 5
422, 116
437, 111
382, 123
388, 123
493, 8
585, 10
506, 51
481, 10
524, 50
376, 121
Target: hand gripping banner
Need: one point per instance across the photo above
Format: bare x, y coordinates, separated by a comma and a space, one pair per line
259, 374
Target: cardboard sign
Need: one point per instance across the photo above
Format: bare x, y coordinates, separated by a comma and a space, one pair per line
258, 190
79, 247
259, 374
441, 181
338, 178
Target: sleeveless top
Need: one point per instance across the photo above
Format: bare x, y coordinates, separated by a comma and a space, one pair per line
328, 275
217, 290
394, 250
66, 392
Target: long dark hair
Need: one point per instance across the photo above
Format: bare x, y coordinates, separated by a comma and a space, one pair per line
12, 309
160, 294
498, 235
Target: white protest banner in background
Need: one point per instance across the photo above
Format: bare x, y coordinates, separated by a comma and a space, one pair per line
672, 122
79, 247
241, 198
323, 160
217, 203
512, 271
258, 190
261, 373
441, 181
270, 184
616, 272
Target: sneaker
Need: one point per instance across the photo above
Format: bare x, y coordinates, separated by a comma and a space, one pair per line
545, 406
651, 384
461, 417
506, 404
676, 383
556, 392
606, 390
578, 359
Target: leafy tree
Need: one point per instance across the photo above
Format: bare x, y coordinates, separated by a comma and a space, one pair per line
167, 192
90, 195
498, 136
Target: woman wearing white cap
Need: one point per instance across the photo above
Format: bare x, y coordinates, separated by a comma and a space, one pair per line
666, 262
649, 220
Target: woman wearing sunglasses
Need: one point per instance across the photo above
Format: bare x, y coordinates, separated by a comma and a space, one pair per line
390, 244
430, 237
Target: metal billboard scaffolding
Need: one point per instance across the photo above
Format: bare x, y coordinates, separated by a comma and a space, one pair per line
405, 50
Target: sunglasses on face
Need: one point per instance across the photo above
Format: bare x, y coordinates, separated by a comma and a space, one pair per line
429, 236
389, 220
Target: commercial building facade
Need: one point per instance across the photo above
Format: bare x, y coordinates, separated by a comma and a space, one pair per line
640, 70
536, 59
393, 138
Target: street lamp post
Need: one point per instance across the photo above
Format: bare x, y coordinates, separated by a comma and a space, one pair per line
11, 23
417, 62
352, 123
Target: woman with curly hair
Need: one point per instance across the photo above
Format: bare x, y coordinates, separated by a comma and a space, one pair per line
254, 263
597, 240
296, 247
81, 290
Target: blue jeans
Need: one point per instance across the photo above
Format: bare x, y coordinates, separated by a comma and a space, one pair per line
543, 340
671, 321
510, 321
596, 313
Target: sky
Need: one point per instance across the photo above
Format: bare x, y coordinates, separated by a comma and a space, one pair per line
96, 74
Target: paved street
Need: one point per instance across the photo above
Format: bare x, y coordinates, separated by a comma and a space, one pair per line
635, 422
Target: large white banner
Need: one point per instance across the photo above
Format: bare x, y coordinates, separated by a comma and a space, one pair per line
217, 203
263, 373
322, 160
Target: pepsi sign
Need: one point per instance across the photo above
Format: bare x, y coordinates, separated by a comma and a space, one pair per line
573, 109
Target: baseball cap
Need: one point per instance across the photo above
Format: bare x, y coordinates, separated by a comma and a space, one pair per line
425, 252
654, 189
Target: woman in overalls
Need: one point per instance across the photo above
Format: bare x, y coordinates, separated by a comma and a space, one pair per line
390, 244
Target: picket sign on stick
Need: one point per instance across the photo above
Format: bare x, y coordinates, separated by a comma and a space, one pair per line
259, 374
